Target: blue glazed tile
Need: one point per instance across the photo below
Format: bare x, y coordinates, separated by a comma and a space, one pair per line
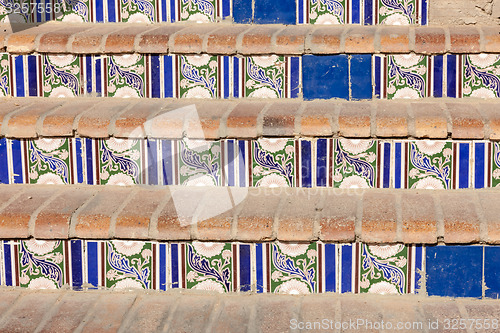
424, 13
155, 76
419, 269
4, 167
259, 267
346, 268
445, 263
271, 11
245, 268
89, 160
325, 76
99, 10
361, 76
356, 11
397, 165
111, 11
368, 9
98, 76
242, 11
168, 161
32, 76
438, 76
479, 164
174, 268
19, 73
76, 263
492, 271
306, 169
321, 162
152, 155
7, 260
93, 263
463, 175
242, 162
17, 161
294, 77
230, 162
387, 165
451, 72
163, 266
330, 265
377, 76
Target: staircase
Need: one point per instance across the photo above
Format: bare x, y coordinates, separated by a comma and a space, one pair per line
236, 147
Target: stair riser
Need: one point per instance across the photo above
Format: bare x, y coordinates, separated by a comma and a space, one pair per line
258, 267
352, 77
287, 12
249, 163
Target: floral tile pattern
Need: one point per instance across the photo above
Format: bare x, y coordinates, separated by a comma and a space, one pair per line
49, 161
355, 163
397, 12
294, 268
430, 164
481, 75
198, 76
200, 162
41, 264
198, 11
496, 165
61, 75
328, 12
407, 76
74, 11
120, 161
139, 11
268, 162
4, 75
285, 268
265, 77
126, 76
384, 269
209, 266
129, 265
273, 163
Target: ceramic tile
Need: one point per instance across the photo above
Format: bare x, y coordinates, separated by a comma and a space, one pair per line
327, 12
200, 162
139, 11
408, 76
73, 11
273, 162
325, 77
198, 76
49, 161
360, 76
274, 12
4, 162
430, 164
397, 12
125, 76
445, 263
263, 76
293, 268
242, 11
129, 264
355, 164
4, 75
61, 75
491, 271
385, 269
496, 164
481, 75
121, 161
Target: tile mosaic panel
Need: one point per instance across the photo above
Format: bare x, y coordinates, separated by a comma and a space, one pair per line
350, 77
260, 267
339, 163
264, 11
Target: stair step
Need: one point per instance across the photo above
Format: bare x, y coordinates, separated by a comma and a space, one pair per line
176, 213
29, 117
247, 40
198, 311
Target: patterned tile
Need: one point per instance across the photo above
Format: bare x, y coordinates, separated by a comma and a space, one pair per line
4, 75
408, 76
355, 164
121, 161
429, 164
126, 75
397, 12
198, 76
49, 161
200, 163
327, 12
481, 75
139, 11
384, 269
496, 164
273, 162
74, 11
40, 264
60, 76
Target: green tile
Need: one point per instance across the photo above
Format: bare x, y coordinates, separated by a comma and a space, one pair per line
355, 163
49, 161
264, 76
126, 75
61, 75
407, 76
120, 161
429, 165
41, 264
273, 162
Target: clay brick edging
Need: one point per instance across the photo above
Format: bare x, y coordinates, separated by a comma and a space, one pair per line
28, 117
375, 216
230, 39
191, 310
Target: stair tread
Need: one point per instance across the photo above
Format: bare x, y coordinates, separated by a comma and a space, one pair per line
174, 213
227, 38
31, 117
